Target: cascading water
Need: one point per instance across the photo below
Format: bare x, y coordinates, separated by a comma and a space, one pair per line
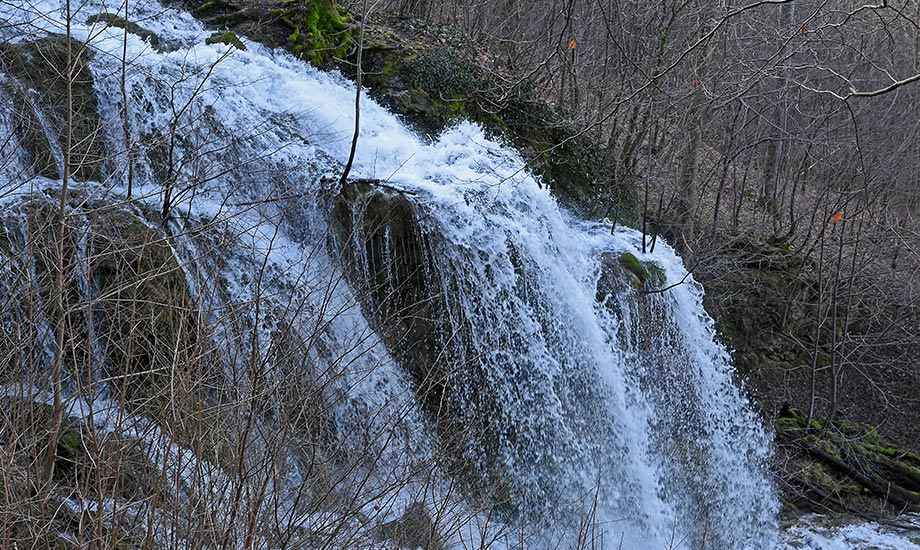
582, 394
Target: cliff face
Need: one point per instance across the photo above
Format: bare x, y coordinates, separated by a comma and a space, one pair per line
764, 298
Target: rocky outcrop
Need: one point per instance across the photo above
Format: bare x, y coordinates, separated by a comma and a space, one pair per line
113, 20
39, 88
387, 254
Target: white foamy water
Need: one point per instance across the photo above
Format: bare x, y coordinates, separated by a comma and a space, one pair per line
812, 534
599, 401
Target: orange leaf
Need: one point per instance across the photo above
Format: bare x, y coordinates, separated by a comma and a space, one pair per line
572, 44
803, 30
696, 82
837, 217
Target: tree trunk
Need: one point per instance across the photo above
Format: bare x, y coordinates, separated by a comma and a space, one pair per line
688, 193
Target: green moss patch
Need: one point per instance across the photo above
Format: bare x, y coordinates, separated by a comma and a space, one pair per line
210, 7
319, 30
646, 274
228, 38
114, 20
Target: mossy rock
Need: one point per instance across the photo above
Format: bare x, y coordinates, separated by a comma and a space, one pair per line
40, 88
90, 465
435, 86
317, 31
320, 30
149, 321
386, 260
623, 273
227, 38
146, 315
646, 274
145, 319
114, 20
211, 7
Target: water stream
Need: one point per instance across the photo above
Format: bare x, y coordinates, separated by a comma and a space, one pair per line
585, 396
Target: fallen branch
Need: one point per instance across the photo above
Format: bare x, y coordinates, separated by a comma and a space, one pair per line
892, 493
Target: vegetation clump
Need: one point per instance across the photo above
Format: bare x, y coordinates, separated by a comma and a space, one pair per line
228, 38
444, 73
114, 20
320, 29
210, 7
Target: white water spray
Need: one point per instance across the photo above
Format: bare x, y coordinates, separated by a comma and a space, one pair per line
598, 399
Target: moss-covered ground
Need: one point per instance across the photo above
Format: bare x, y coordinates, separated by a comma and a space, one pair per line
843, 467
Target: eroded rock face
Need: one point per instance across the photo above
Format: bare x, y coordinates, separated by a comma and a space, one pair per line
39, 89
388, 256
142, 314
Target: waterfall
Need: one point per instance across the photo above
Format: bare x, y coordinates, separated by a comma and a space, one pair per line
576, 376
